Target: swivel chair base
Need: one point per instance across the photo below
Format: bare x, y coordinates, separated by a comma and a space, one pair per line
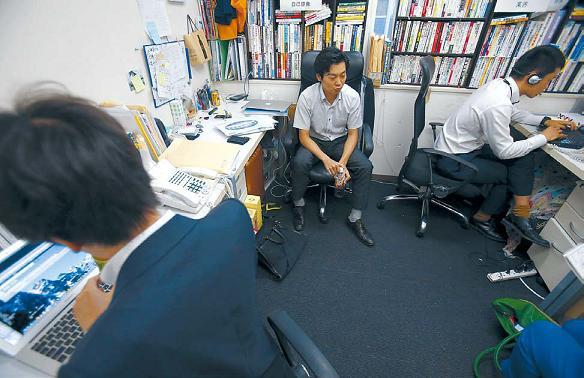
424, 194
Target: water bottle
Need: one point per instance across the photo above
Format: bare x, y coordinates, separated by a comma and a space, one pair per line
339, 184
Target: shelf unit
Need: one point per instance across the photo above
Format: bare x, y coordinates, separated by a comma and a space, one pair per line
276, 43
443, 29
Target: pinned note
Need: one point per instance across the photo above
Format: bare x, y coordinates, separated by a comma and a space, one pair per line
136, 81
152, 31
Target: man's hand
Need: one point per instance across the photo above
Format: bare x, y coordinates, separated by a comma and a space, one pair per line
553, 132
347, 176
331, 166
561, 123
90, 304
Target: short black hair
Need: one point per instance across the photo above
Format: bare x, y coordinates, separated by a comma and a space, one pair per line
68, 170
541, 59
327, 57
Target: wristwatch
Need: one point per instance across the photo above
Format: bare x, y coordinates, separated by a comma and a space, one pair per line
106, 288
543, 121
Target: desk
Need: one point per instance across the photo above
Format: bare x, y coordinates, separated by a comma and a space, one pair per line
212, 134
564, 231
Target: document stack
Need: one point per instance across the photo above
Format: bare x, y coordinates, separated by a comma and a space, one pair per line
229, 59
288, 49
260, 31
348, 33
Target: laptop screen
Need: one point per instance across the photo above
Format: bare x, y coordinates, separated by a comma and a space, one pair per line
33, 279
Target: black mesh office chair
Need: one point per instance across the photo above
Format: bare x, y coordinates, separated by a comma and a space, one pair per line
303, 356
419, 173
364, 86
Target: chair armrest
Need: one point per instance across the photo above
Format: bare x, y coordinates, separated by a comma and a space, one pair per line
367, 140
290, 138
433, 125
290, 335
432, 151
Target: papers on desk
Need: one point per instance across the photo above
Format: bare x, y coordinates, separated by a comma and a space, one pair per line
219, 157
243, 126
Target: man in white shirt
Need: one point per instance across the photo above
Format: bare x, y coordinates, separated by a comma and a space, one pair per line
480, 132
328, 118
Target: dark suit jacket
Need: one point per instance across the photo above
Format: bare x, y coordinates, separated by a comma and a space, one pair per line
184, 306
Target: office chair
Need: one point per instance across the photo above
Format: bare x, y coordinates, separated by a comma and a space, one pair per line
364, 86
418, 172
303, 356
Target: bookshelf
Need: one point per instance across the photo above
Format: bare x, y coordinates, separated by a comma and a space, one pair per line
449, 30
277, 38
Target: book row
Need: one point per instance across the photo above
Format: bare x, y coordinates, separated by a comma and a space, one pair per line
317, 36
443, 8
437, 37
228, 59
449, 71
348, 37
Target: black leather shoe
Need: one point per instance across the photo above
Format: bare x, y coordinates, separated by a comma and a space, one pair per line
298, 217
487, 229
359, 229
522, 226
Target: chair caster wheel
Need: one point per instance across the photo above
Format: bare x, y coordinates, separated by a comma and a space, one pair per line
323, 218
381, 205
419, 234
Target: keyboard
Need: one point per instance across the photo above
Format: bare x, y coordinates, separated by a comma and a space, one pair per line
59, 342
574, 139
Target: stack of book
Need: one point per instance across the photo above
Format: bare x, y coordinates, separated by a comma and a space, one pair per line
348, 31
288, 49
450, 71
443, 8
260, 31
539, 31
229, 59
437, 37
312, 17
571, 42
497, 51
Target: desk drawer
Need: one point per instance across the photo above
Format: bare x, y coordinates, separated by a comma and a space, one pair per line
549, 262
576, 198
571, 222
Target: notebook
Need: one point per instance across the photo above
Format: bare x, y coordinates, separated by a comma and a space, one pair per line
38, 285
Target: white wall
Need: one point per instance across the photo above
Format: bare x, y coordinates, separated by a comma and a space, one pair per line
89, 46
394, 113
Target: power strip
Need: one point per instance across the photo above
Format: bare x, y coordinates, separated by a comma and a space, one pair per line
510, 275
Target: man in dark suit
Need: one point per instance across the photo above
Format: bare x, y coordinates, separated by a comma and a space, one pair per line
179, 294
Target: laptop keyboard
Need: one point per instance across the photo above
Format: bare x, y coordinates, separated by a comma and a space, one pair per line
574, 139
59, 342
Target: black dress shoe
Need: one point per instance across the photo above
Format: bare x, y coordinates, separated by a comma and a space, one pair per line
522, 226
359, 229
298, 217
488, 229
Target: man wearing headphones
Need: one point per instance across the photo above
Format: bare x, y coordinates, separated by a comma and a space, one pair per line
480, 133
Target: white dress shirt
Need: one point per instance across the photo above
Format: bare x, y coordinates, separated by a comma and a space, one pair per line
111, 270
485, 118
328, 121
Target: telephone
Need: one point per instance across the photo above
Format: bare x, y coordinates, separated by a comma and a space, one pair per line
186, 189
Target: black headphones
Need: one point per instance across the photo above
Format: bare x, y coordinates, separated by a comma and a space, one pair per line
531, 80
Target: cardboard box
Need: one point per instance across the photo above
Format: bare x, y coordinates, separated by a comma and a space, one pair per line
252, 215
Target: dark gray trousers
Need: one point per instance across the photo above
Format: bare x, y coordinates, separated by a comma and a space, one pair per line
509, 176
359, 167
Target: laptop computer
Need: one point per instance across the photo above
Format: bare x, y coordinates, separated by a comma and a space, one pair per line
38, 285
268, 105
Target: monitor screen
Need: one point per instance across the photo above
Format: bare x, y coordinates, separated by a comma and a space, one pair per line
33, 279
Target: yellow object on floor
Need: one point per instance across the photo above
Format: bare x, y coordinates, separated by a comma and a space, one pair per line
255, 203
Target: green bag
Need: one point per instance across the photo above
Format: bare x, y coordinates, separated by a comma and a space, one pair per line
513, 315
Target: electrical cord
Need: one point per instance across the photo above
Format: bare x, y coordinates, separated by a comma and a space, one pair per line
530, 289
